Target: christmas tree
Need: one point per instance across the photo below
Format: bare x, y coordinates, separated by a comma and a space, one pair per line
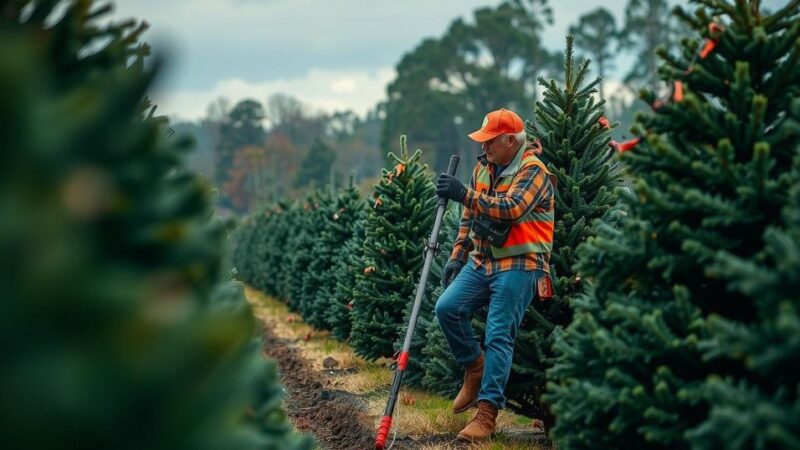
261, 248
250, 248
687, 334
318, 250
394, 234
242, 240
347, 267
286, 234
300, 250
118, 323
274, 242
340, 226
574, 136
261, 254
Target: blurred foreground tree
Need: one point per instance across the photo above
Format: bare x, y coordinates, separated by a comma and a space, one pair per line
119, 325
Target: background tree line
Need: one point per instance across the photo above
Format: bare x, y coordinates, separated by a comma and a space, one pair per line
259, 152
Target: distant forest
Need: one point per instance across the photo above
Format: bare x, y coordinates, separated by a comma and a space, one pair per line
258, 151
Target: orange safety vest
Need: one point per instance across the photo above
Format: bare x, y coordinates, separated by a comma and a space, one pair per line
533, 232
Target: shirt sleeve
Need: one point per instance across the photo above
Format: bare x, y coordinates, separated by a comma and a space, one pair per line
528, 189
463, 244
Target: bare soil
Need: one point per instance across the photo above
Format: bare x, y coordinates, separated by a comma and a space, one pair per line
337, 419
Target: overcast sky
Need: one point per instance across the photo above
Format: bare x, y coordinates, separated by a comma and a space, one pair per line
333, 55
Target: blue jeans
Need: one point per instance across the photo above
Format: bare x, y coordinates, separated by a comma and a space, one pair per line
508, 295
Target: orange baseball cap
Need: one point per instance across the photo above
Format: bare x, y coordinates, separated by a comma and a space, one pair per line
502, 121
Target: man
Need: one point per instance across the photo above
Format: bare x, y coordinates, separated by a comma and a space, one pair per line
507, 225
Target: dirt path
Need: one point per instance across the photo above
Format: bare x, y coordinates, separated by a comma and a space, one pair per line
337, 419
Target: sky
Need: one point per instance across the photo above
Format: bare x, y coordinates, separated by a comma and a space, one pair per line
332, 55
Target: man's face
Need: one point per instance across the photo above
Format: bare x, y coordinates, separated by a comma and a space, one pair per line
500, 150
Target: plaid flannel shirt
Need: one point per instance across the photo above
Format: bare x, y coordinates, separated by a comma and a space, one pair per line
529, 188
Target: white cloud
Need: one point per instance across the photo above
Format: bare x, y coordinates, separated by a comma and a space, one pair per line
322, 89
619, 91
344, 85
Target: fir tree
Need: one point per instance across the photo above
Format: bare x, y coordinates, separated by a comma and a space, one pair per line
396, 227
243, 239
300, 250
275, 238
260, 247
287, 229
333, 264
345, 272
118, 324
309, 270
251, 247
261, 254
574, 135
687, 335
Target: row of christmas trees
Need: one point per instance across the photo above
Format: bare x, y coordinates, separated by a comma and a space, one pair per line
119, 324
676, 323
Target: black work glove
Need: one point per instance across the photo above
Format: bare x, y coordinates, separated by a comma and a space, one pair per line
451, 269
449, 187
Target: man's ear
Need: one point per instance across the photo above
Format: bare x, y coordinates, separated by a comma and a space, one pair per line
513, 141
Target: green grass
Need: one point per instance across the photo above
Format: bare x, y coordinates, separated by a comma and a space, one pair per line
522, 420
332, 345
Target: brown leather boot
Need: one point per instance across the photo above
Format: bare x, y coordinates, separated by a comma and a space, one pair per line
472, 385
482, 426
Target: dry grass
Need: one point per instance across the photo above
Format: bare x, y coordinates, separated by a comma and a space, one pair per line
432, 414
315, 345
417, 413
498, 443
429, 414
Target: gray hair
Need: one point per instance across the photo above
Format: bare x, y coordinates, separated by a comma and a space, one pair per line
520, 137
